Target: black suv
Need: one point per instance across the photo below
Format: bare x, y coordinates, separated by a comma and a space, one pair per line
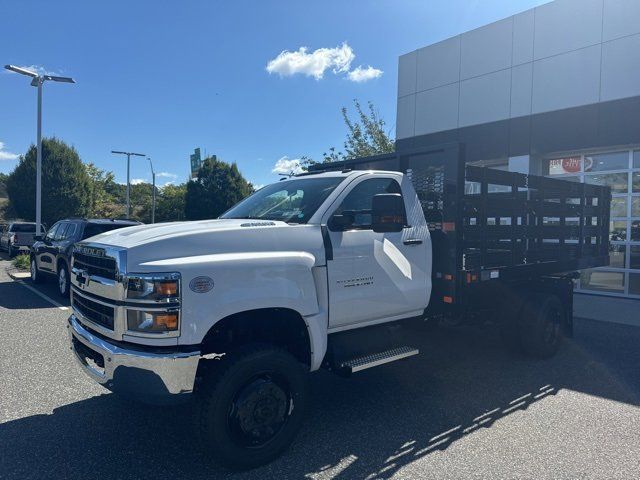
52, 254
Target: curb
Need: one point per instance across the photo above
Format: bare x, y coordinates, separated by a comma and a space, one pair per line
18, 275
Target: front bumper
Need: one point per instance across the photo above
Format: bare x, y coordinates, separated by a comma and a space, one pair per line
138, 373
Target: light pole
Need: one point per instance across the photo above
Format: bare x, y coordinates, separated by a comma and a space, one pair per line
153, 195
38, 81
128, 154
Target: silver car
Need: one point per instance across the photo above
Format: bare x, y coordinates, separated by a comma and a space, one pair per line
16, 236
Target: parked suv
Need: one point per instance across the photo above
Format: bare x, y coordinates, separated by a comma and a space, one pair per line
16, 236
52, 254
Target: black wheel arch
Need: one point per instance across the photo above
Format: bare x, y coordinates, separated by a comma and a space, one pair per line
282, 327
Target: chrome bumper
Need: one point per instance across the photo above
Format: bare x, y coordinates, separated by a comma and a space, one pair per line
137, 373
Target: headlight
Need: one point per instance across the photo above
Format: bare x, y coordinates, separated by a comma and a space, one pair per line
152, 322
153, 291
162, 287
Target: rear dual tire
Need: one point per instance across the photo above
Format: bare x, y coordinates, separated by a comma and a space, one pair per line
533, 325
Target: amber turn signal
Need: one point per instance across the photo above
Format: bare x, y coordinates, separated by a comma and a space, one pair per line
167, 320
167, 289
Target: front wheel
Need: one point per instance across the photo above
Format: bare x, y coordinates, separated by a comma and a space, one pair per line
35, 273
253, 404
63, 281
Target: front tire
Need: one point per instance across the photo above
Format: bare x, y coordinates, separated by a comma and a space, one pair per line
253, 404
35, 273
63, 281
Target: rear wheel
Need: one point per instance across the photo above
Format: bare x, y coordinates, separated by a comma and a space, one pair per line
35, 273
253, 405
63, 281
541, 320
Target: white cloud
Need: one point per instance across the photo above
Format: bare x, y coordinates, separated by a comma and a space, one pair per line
171, 182
360, 74
137, 181
166, 175
4, 155
286, 166
257, 186
313, 64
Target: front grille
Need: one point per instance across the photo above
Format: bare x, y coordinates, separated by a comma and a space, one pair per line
94, 311
98, 266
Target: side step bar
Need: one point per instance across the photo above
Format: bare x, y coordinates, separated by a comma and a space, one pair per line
375, 359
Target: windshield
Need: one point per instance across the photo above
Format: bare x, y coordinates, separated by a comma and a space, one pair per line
23, 227
291, 201
93, 229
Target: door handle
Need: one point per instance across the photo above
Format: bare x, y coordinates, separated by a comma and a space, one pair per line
412, 241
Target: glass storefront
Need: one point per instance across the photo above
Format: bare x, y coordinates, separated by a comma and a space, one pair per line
620, 170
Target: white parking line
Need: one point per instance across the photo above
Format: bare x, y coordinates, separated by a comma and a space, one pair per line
46, 297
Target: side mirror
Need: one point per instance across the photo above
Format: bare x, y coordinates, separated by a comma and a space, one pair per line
342, 222
388, 213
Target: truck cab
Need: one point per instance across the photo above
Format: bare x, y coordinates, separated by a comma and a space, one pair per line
320, 270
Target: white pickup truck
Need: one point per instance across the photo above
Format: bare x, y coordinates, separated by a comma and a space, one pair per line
308, 273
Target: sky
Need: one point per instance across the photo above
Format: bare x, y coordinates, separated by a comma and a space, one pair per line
259, 83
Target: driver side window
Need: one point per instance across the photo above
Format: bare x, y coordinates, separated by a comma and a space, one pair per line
359, 201
51, 234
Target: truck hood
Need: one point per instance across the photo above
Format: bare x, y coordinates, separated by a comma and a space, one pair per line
143, 234
174, 243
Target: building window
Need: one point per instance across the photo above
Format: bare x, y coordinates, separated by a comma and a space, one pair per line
602, 281
635, 257
617, 255
618, 207
634, 283
620, 170
619, 182
606, 162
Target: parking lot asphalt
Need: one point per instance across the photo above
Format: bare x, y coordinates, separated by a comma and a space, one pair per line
464, 408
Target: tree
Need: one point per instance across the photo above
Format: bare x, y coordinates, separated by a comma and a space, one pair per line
66, 186
104, 203
218, 186
3, 185
140, 196
366, 136
170, 203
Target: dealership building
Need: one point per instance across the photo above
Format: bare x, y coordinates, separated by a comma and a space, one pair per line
554, 91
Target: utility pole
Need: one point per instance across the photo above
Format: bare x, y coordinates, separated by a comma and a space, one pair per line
128, 154
38, 81
153, 195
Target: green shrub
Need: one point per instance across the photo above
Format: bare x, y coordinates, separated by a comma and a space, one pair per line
21, 262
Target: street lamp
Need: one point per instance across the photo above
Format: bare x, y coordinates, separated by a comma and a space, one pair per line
38, 81
128, 154
153, 197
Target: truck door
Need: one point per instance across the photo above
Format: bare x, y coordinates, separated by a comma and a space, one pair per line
373, 276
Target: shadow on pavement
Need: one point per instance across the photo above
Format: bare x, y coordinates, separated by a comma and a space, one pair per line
372, 424
15, 297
